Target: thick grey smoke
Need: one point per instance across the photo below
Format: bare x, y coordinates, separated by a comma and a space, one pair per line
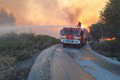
6, 18
17, 8
54, 12
53, 9
72, 15
48, 5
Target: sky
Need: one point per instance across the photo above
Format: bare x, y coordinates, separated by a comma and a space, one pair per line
54, 12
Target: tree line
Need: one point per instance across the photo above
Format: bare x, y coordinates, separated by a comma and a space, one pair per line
109, 23
108, 27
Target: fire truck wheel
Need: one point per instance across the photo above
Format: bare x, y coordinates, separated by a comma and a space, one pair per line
64, 45
78, 46
85, 42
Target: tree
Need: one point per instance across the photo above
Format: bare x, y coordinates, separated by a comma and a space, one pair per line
96, 30
111, 17
6, 18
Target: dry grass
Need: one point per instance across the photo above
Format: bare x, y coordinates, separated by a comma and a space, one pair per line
15, 48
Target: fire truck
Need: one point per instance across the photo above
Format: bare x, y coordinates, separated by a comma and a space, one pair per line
74, 36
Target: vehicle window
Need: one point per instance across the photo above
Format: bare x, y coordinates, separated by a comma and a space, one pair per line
75, 32
72, 32
67, 32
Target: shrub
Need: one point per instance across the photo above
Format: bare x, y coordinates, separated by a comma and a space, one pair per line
108, 48
22, 45
19, 47
6, 64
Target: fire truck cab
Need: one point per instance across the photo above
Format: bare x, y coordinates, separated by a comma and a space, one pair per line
73, 36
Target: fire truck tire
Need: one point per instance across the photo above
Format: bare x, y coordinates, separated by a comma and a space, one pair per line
85, 41
64, 45
79, 46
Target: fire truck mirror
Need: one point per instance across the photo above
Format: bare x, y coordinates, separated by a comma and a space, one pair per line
61, 32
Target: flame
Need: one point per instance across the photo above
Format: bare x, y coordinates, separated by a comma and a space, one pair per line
83, 26
107, 39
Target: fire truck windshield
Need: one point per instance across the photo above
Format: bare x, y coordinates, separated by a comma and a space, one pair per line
71, 32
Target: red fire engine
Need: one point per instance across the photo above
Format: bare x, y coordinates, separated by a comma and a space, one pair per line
74, 36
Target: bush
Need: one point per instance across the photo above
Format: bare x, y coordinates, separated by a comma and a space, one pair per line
19, 47
23, 45
23, 55
6, 64
108, 48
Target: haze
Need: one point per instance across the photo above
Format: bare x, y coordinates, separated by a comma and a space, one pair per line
54, 12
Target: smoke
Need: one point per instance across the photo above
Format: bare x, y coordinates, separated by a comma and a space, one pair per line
48, 5
17, 7
54, 12
72, 15
6, 18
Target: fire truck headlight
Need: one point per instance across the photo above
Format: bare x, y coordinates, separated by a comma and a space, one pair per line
63, 37
77, 38
62, 40
78, 42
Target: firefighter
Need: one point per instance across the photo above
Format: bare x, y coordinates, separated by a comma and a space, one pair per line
81, 30
79, 24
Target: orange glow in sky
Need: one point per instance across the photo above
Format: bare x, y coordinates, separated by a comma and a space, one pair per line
54, 12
